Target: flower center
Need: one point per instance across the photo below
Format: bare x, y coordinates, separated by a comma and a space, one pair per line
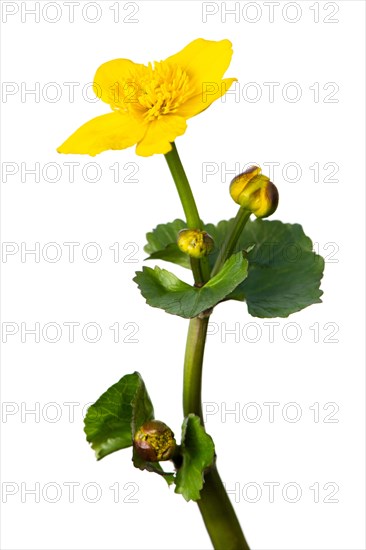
153, 91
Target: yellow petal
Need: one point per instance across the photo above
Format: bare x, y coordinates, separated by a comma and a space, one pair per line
160, 134
112, 131
111, 80
210, 92
204, 60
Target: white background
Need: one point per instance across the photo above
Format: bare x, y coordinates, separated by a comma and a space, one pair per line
304, 43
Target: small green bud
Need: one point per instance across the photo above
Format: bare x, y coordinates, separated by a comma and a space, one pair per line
255, 192
195, 243
154, 441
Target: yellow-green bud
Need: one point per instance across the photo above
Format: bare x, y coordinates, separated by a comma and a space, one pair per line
255, 192
154, 441
195, 243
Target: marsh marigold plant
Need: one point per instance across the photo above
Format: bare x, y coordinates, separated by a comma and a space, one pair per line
229, 260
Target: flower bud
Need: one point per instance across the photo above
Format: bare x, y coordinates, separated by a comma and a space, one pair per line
255, 192
154, 441
195, 243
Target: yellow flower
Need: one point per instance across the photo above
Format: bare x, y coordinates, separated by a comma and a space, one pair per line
151, 103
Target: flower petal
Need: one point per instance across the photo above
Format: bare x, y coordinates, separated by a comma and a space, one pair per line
210, 92
160, 134
204, 60
112, 131
113, 74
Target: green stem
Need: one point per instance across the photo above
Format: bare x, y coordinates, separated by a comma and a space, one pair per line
183, 188
193, 361
189, 207
219, 515
232, 237
216, 509
215, 506
196, 267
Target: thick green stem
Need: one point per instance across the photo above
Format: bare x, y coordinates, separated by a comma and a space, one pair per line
219, 515
193, 361
217, 511
232, 237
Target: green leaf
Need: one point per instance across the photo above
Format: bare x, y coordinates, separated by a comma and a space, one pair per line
109, 422
284, 273
163, 289
198, 453
142, 408
162, 244
172, 253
